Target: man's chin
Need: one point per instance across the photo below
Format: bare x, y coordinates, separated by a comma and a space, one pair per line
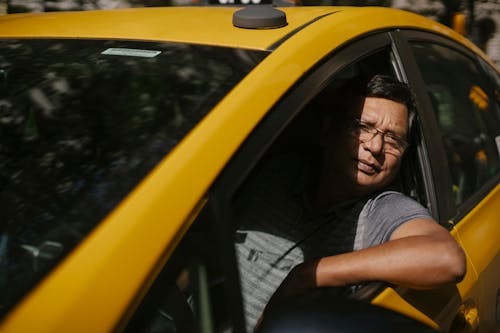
368, 183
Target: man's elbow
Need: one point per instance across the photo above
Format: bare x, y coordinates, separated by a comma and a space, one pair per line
456, 263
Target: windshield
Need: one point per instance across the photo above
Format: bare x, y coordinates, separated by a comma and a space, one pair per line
81, 123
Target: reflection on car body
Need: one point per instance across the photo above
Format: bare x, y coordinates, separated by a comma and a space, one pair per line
126, 142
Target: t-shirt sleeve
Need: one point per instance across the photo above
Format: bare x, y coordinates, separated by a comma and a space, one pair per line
384, 213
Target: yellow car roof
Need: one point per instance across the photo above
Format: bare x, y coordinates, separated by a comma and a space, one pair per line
200, 25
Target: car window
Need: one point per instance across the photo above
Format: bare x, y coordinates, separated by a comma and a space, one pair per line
189, 294
467, 112
81, 123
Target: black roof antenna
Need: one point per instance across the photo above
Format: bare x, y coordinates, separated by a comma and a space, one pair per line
259, 17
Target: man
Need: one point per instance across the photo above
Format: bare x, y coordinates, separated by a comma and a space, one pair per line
344, 227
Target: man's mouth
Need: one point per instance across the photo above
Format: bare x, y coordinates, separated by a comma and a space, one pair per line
368, 167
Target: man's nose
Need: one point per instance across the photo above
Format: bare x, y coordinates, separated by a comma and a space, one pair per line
376, 144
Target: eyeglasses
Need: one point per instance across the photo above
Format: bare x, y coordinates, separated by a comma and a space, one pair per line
366, 132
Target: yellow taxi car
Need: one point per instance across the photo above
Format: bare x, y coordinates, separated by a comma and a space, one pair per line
126, 135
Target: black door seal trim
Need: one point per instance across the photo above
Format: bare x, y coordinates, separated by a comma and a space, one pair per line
293, 32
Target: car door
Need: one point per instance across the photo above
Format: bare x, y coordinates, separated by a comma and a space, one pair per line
458, 94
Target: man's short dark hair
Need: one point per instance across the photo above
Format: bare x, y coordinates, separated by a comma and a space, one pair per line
339, 101
384, 86
387, 87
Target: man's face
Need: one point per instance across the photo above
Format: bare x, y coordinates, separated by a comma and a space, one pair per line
369, 164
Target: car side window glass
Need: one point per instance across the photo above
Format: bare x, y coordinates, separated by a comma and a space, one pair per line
467, 114
82, 122
188, 294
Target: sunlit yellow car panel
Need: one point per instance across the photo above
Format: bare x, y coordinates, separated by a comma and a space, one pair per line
477, 228
196, 25
471, 276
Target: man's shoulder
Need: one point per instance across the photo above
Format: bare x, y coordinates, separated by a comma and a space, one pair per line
384, 212
393, 206
389, 197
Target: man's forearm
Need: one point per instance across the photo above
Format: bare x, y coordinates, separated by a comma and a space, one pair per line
417, 261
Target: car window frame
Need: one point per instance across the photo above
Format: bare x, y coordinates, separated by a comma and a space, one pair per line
449, 213
431, 156
433, 203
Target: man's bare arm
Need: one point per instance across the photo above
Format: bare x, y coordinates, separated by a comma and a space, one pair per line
421, 254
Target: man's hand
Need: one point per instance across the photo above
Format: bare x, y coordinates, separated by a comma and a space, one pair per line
300, 279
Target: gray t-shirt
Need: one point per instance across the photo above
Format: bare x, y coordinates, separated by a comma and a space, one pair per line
278, 229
